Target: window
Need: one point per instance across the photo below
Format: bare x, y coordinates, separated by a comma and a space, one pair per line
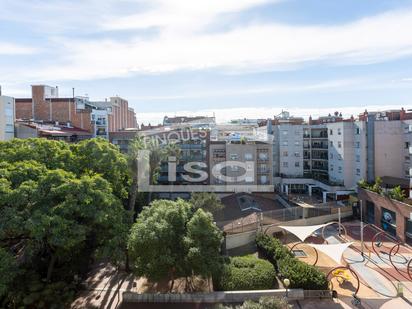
285, 132
340, 169
263, 156
331, 155
357, 158
407, 145
233, 156
297, 164
339, 157
339, 144
358, 172
285, 143
330, 132
248, 156
406, 173
296, 143
331, 143
357, 144
331, 167
339, 131
285, 164
249, 179
297, 154
285, 153
357, 131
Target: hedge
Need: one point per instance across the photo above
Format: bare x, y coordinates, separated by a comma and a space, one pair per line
300, 274
245, 273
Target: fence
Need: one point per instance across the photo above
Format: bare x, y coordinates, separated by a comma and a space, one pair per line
254, 220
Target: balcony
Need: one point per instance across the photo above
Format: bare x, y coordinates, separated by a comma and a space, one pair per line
319, 146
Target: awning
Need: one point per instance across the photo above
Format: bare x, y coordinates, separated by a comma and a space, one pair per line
303, 232
334, 251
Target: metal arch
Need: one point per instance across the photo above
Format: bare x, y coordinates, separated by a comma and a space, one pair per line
316, 251
339, 226
398, 245
408, 269
351, 271
388, 236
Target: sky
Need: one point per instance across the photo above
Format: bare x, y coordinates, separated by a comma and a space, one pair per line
228, 58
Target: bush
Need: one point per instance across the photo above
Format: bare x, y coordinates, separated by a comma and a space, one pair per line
264, 303
300, 274
272, 249
245, 273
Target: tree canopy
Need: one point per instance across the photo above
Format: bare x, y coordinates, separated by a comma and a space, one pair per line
60, 208
170, 239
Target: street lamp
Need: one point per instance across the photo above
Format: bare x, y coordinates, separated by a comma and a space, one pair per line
361, 225
286, 283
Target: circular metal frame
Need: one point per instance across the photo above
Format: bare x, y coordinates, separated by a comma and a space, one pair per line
351, 271
316, 251
340, 225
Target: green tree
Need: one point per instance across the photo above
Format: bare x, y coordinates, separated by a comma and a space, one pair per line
206, 201
8, 271
165, 241
98, 156
57, 214
202, 243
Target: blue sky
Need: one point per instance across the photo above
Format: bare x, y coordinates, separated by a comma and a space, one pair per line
234, 58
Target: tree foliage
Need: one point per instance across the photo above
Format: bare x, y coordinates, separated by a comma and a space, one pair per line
58, 214
170, 240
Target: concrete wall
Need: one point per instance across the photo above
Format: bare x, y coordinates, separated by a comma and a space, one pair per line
389, 149
212, 297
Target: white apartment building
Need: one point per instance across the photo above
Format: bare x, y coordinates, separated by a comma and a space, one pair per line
7, 117
290, 150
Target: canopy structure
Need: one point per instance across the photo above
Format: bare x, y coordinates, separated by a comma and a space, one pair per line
334, 251
303, 232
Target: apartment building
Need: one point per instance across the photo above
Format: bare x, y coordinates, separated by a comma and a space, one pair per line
99, 118
7, 116
240, 155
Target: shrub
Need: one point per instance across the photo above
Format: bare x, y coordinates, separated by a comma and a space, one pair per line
264, 303
300, 274
272, 249
397, 194
245, 273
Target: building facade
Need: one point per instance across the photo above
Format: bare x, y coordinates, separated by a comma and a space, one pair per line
7, 116
98, 118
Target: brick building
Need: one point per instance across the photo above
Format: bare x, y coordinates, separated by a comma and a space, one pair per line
98, 118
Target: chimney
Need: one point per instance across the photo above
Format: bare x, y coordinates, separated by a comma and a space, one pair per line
402, 114
73, 92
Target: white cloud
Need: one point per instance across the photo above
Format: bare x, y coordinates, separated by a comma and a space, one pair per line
183, 43
15, 49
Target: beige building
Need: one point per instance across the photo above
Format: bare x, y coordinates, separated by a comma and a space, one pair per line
234, 163
7, 117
